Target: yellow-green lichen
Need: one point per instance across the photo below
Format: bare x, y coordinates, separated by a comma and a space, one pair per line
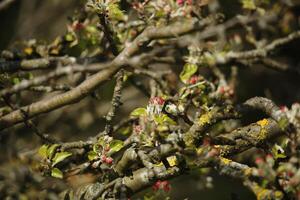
263, 131
205, 119
248, 172
226, 161
188, 139
265, 194
263, 123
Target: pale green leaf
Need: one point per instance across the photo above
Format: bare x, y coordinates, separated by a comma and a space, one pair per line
51, 150
138, 112
114, 12
188, 71
60, 156
278, 152
249, 4
125, 130
92, 155
55, 172
164, 119
43, 151
116, 145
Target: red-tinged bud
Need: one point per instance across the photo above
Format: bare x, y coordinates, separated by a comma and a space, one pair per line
193, 80
259, 161
157, 101
155, 105
222, 90
206, 142
109, 160
103, 158
156, 185
283, 108
180, 2
165, 185
269, 156
290, 174
161, 185
78, 26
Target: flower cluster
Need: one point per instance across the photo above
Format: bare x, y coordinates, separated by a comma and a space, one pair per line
287, 174
161, 185
155, 106
226, 91
107, 160
181, 2
194, 79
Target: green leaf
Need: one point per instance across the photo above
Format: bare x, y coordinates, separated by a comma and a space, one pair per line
278, 152
114, 12
125, 130
43, 151
60, 157
51, 150
69, 37
164, 119
188, 70
16, 80
249, 4
116, 145
98, 147
283, 123
55, 172
91, 29
138, 112
92, 155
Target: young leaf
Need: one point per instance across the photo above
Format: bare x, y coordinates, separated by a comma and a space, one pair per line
278, 152
51, 150
138, 112
249, 4
164, 119
125, 130
114, 12
43, 151
188, 70
116, 145
98, 147
60, 156
55, 172
92, 155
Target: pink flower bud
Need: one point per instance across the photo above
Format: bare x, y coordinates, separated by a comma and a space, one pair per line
161, 185
109, 160
157, 101
283, 108
77, 26
193, 80
180, 2
259, 161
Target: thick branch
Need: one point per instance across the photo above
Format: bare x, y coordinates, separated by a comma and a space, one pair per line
94, 81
